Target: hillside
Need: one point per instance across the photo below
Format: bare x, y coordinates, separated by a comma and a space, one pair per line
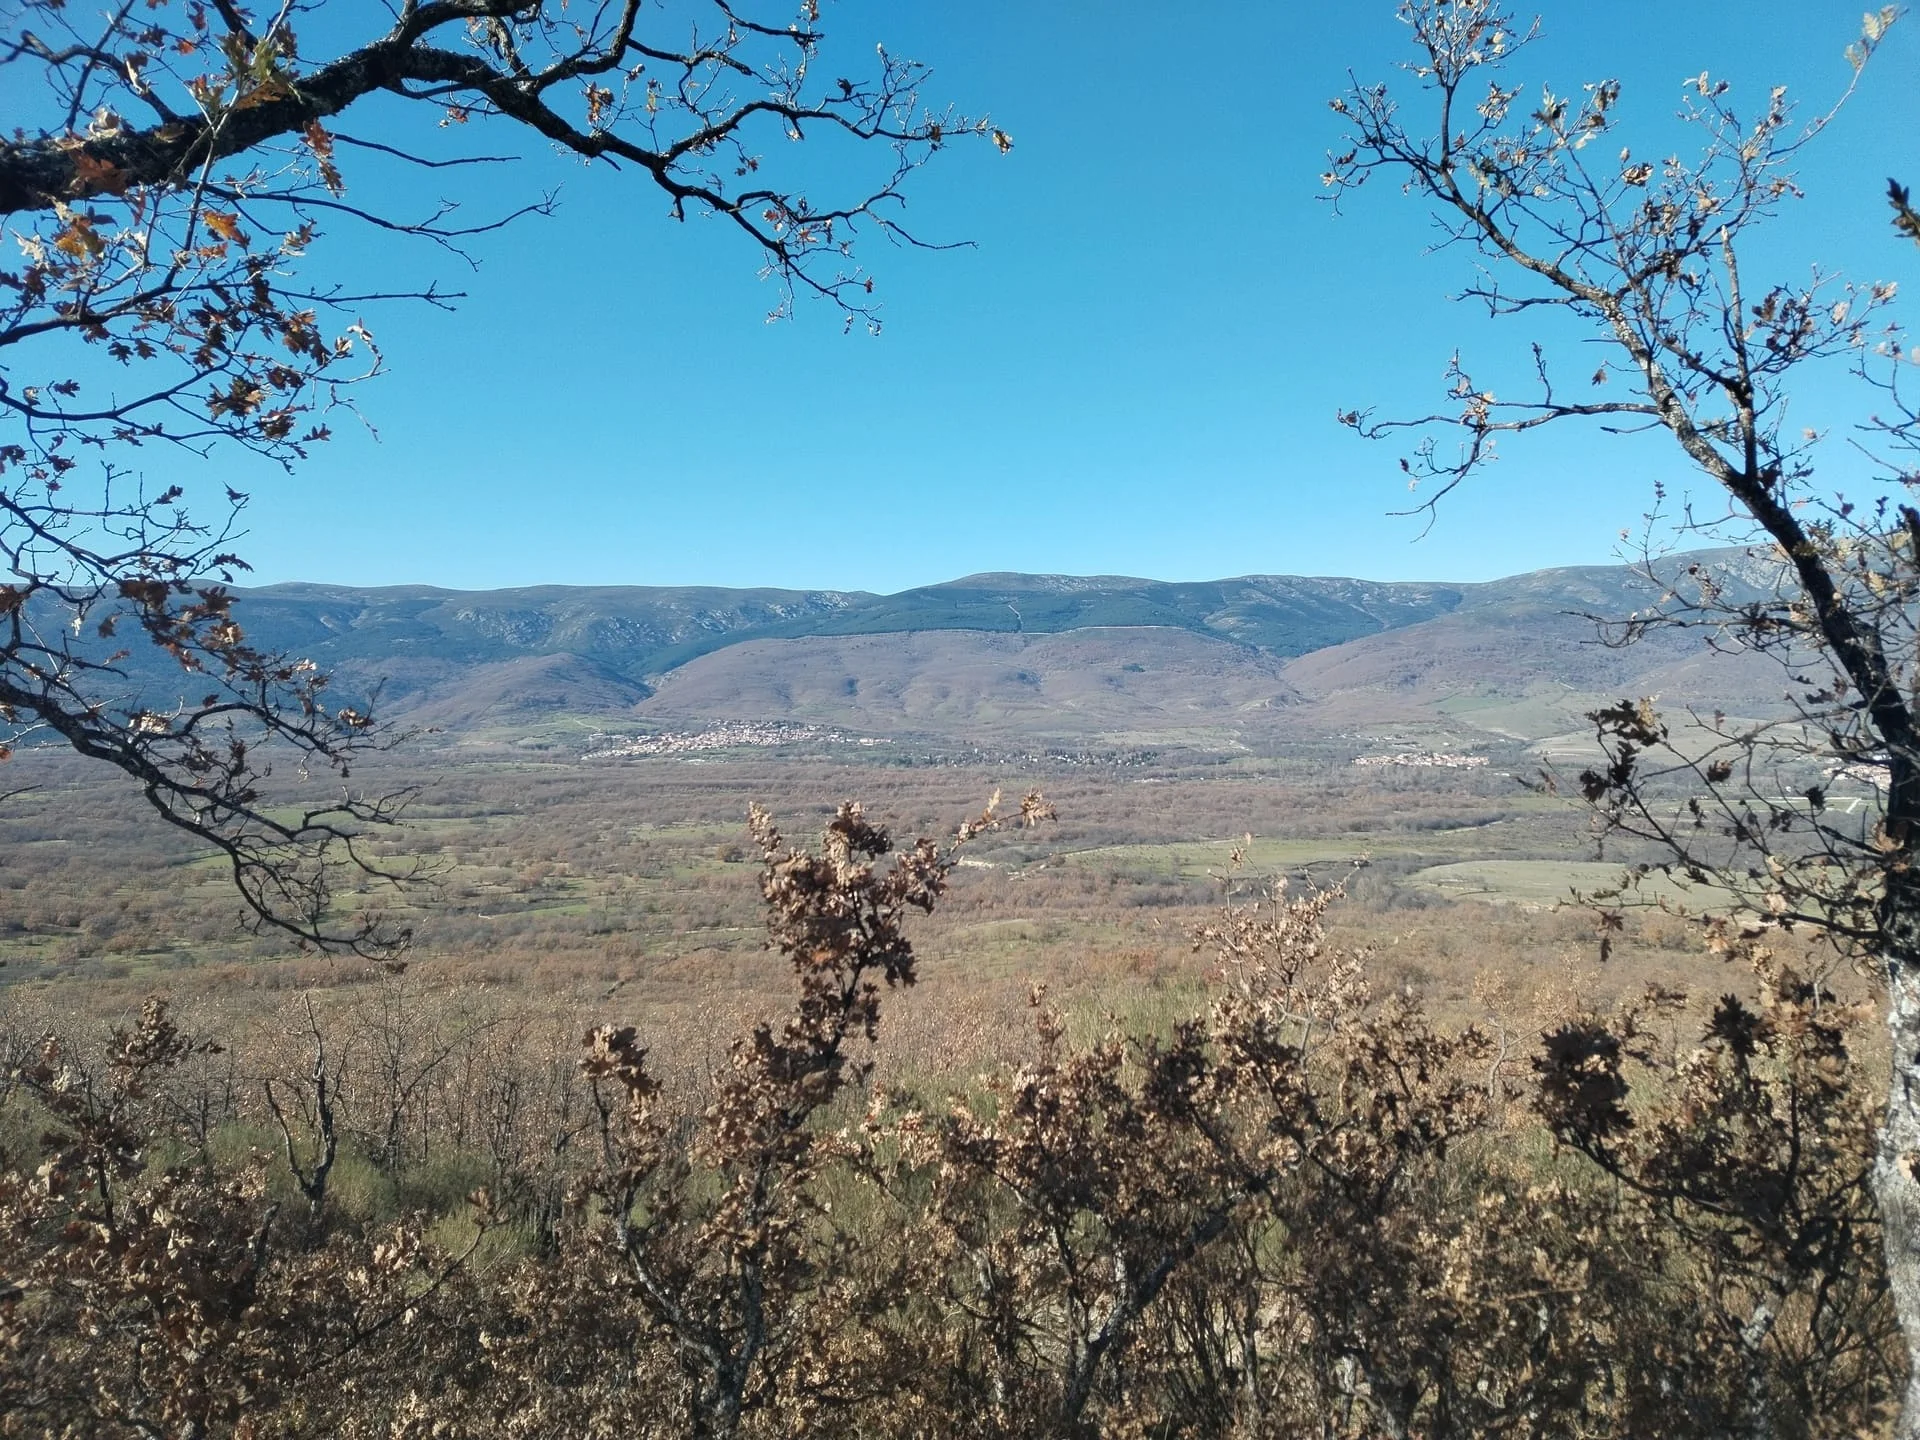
1001, 656
1136, 682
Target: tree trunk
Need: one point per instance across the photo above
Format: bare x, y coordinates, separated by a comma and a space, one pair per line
1753, 1342
1896, 1186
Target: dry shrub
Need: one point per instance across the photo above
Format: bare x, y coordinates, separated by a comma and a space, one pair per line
1304, 1210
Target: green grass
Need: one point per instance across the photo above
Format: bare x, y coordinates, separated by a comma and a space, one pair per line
1547, 882
1537, 713
1202, 859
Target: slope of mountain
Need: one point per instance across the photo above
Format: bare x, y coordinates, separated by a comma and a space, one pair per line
1521, 672
1110, 680
643, 631
505, 692
639, 630
1280, 614
1005, 655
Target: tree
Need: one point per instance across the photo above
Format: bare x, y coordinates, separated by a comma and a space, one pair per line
718, 1237
1643, 256
1300, 1211
183, 161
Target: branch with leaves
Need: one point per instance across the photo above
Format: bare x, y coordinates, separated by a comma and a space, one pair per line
722, 1239
179, 168
1646, 259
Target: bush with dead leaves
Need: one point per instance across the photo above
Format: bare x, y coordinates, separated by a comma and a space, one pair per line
1305, 1211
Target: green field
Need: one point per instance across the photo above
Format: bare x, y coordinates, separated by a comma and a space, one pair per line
1549, 882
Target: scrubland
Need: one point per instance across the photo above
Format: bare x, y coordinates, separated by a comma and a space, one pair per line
563, 878
1264, 1097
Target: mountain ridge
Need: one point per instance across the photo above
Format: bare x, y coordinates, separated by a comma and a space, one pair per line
1007, 654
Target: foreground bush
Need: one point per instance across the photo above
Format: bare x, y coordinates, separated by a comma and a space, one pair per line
1304, 1212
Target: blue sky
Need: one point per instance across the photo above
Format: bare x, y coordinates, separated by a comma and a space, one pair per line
1134, 371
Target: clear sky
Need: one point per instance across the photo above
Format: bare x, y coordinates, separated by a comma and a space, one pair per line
1135, 370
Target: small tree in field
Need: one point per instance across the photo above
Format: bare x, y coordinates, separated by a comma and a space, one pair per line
1642, 254
174, 166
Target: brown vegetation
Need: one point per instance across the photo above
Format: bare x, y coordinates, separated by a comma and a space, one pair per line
1292, 1206
1654, 265
171, 173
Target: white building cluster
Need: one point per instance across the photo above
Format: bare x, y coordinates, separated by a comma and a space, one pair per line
1426, 760
723, 735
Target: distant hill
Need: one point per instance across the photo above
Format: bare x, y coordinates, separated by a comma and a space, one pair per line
1001, 655
643, 631
492, 693
636, 630
1136, 681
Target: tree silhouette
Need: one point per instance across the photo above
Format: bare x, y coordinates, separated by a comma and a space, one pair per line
182, 162
1644, 256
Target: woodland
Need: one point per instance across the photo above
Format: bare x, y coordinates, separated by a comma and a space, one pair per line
1189, 1093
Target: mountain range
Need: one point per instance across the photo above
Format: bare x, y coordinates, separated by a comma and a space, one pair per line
1081, 659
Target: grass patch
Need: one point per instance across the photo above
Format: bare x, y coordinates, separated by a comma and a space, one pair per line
1547, 882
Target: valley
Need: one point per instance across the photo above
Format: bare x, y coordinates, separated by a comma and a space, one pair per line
580, 764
